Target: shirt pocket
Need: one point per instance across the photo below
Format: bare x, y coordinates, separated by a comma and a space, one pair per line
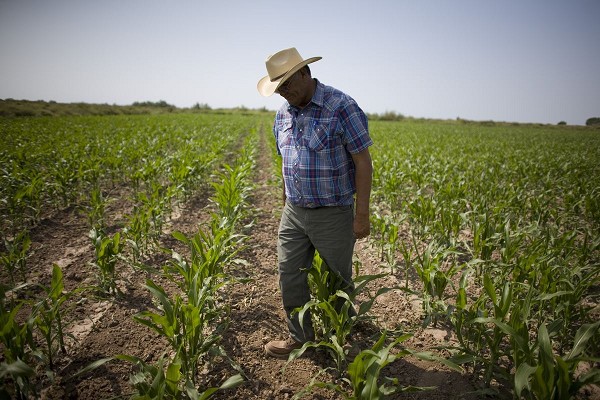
284, 136
319, 138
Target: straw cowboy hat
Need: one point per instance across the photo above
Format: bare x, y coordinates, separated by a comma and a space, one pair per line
280, 67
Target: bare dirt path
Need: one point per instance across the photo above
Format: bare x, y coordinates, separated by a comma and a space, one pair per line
104, 328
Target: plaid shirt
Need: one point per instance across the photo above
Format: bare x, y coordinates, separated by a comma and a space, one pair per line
317, 144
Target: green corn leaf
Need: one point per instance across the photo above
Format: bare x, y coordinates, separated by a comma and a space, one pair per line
57, 283
158, 382
509, 330
181, 237
505, 300
173, 376
549, 296
160, 293
428, 356
583, 335
16, 369
159, 323
546, 362
192, 392
488, 284
232, 382
304, 309
362, 280
591, 377
522, 375
92, 366
563, 382
461, 299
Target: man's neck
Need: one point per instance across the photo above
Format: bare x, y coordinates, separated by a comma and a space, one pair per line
313, 87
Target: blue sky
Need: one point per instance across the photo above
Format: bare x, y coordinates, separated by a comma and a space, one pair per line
521, 61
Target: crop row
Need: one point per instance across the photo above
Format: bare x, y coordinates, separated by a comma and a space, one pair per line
502, 226
150, 164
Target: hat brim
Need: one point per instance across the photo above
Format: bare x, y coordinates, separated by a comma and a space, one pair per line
266, 87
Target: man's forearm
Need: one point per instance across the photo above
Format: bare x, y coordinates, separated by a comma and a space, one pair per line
363, 181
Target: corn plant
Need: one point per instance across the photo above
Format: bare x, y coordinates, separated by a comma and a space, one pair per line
495, 336
332, 309
30, 196
192, 326
160, 382
232, 187
137, 232
232, 192
363, 374
435, 278
484, 234
21, 374
97, 208
108, 253
19, 348
154, 207
15, 257
65, 174
553, 376
387, 238
210, 252
48, 316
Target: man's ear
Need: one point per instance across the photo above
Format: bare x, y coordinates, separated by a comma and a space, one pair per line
304, 72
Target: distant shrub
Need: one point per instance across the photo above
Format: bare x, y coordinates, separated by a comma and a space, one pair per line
593, 121
387, 116
562, 123
391, 116
160, 103
202, 106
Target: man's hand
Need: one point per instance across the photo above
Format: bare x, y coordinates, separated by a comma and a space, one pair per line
362, 226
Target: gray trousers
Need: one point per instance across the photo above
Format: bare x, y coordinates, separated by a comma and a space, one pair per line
301, 231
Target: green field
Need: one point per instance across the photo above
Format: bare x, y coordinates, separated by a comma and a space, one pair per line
495, 227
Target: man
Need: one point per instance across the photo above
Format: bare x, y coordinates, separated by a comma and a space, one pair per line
323, 138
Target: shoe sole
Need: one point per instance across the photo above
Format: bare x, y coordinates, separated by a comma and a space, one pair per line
280, 356
277, 355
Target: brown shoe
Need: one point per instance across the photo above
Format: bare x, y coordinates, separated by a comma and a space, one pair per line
282, 348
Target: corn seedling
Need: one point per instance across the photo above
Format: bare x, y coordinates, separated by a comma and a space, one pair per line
231, 194
192, 326
363, 374
30, 197
97, 208
15, 257
19, 348
553, 376
435, 278
332, 309
137, 232
48, 316
160, 382
108, 253
210, 253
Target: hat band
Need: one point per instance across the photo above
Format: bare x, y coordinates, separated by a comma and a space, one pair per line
279, 77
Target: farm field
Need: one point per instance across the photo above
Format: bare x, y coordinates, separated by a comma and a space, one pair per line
139, 258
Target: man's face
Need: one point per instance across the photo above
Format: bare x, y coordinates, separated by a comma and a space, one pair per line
294, 90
